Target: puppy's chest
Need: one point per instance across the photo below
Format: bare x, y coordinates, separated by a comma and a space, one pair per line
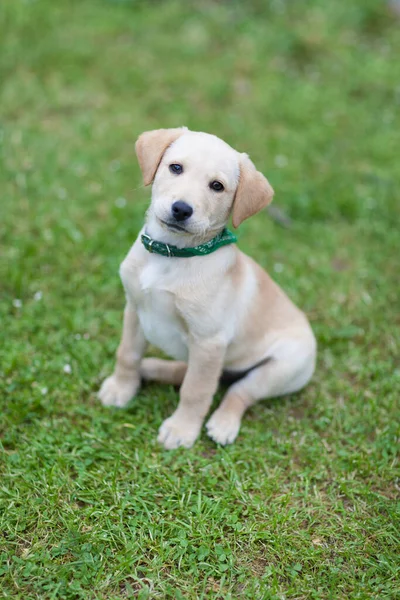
154, 296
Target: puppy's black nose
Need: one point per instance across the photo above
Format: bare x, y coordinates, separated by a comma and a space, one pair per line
181, 211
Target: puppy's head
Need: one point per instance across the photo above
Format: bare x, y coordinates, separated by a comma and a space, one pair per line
198, 181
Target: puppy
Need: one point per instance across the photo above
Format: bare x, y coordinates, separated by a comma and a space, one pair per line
192, 293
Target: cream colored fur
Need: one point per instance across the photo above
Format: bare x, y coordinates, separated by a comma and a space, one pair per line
207, 312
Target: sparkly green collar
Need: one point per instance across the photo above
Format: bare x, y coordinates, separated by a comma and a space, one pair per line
222, 239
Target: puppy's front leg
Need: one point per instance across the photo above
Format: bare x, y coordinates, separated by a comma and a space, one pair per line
123, 384
205, 363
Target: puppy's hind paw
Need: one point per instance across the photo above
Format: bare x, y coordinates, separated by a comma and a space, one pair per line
223, 427
115, 392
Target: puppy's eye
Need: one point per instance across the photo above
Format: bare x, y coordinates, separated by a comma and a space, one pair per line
176, 169
216, 186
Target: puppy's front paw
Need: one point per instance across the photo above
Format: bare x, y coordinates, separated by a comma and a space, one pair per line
177, 431
223, 426
115, 392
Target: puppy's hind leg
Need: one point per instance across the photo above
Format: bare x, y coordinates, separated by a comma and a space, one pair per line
286, 373
164, 371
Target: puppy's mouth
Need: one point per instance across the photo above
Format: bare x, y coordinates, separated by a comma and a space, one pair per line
173, 226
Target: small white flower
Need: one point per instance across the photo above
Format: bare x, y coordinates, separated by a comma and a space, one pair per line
120, 202
278, 267
17, 303
67, 369
281, 160
77, 336
44, 391
38, 295
366, 297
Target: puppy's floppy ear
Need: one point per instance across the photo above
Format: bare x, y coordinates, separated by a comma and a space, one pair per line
150, 147
253, 192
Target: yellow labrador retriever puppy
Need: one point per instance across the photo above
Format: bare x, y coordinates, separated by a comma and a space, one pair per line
192, 293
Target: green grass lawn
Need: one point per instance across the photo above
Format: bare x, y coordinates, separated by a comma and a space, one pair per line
305, 504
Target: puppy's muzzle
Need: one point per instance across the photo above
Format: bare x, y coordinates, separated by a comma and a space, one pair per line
181, 211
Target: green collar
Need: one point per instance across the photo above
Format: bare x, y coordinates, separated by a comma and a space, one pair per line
222, 239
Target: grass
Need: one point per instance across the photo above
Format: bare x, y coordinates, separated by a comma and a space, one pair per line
305, 504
